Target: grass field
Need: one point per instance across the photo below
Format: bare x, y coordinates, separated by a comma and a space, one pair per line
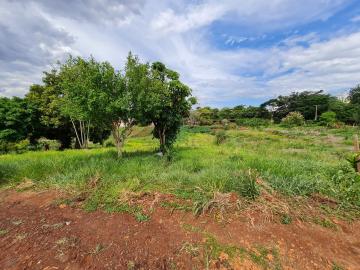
292, 162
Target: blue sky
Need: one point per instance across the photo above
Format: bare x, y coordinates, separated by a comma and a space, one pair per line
229, 52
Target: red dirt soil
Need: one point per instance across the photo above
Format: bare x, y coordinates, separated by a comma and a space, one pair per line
35, 233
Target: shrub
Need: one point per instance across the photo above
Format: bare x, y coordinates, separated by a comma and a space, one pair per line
225, 123
47, 144
231, 125
220, 137
347, 183
18, 147
109, 142
293, 119
22, 146
328, 119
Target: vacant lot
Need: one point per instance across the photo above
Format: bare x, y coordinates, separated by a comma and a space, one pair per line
245, 199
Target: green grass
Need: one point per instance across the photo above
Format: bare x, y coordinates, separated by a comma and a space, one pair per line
298, 161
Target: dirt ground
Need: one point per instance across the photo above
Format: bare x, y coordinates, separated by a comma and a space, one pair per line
36, 233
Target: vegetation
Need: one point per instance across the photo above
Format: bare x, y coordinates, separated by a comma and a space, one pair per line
298, 161
310, 104
293, 119
83, 101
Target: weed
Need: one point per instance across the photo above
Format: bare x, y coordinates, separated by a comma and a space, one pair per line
98, 248
191, 249
190, 228
286, 219
21, 236
130, 265
17, 222
220, 137
141, 217
265, 257
337, 267
3, 232
176, 206
326, 223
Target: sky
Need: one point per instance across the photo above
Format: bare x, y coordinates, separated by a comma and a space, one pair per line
229, 52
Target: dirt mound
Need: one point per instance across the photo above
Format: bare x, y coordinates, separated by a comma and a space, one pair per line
35, 233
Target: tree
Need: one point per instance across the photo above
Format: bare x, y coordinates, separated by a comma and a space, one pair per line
306, 103
85, 83
46, 103
15, 119
166, 104
126, 101
354, 95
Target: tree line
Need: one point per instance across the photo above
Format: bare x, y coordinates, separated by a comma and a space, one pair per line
89, 100
314, 106
86, 100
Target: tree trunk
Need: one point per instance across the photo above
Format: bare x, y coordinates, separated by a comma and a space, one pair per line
121, 135
162, 139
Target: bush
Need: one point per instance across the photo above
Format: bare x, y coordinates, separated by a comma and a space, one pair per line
347, 183
225, 123
253, 122
18, 147
220, 137
22, 146
109, 142
328, 119
293, 119
47, 144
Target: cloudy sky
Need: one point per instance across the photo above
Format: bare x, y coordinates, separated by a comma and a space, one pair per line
230, 52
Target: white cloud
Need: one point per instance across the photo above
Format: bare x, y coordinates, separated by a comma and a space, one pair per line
178, 34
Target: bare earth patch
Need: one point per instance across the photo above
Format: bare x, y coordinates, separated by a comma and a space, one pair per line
35, 233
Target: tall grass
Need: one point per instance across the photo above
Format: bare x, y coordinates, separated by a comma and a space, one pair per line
293, 162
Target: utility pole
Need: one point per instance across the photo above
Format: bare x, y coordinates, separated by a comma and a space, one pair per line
316, 112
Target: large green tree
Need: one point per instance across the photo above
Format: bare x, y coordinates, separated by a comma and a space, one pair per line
16, 119
46, 100
167, 103
84, 83
126, 99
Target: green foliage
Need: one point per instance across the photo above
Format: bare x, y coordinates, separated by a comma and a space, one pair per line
220, 137
253, 122
197, 129
293, 119
295, 162
16, 119
166, 105
46, 100
286, 219
303, 102
328, 118
347, 183
47, 144
354, 95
